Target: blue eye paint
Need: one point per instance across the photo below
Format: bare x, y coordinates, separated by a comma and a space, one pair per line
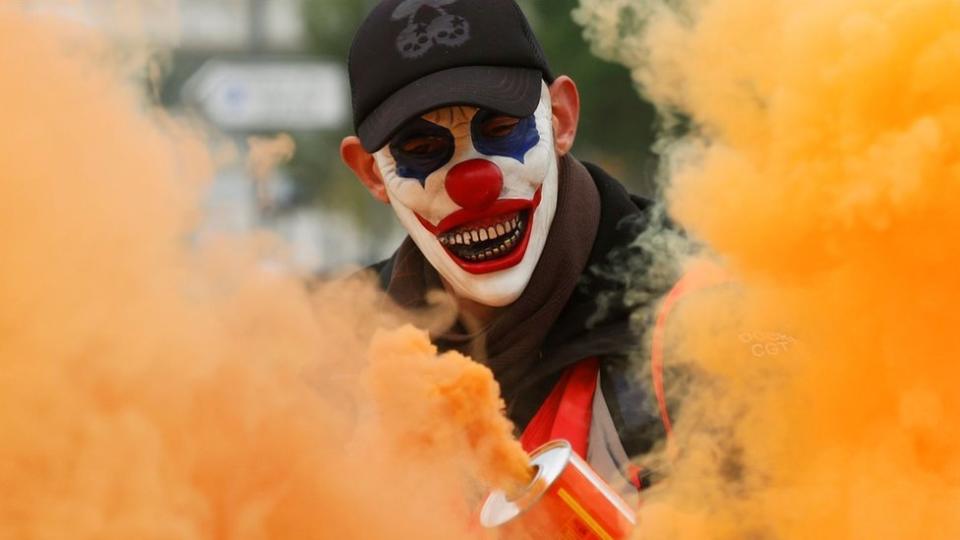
514, 144
420, 148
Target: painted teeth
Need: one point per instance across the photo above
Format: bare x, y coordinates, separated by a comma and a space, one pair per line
508, 233
482, 234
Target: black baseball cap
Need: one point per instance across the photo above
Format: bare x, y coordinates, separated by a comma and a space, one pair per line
412, 56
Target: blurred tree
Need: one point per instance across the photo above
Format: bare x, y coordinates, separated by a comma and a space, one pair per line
322, 178
331, 23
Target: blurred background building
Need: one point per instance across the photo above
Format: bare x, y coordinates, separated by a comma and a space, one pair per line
256, 68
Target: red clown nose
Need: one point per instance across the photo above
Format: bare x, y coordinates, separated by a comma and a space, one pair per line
475, 184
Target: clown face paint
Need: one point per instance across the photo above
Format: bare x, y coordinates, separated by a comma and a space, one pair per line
477, 193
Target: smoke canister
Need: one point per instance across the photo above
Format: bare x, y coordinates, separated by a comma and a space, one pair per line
566, 500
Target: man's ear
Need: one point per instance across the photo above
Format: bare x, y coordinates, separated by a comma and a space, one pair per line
364, 166
565, 99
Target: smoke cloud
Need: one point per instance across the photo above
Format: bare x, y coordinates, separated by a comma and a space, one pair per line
821, 166
156, 384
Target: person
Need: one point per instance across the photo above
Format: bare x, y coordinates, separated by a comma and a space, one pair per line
462, 128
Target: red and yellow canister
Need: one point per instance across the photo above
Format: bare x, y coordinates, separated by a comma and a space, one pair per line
566, 500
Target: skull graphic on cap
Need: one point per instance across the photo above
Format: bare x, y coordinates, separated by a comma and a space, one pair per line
429, 24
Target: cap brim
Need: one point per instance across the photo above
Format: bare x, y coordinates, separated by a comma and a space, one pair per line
508, 90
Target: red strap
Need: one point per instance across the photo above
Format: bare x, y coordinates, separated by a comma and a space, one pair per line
656, 351
567, 412
701, 277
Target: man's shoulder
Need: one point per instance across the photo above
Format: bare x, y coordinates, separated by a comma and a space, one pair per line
623, 215
635, 242
381, 271
613, 190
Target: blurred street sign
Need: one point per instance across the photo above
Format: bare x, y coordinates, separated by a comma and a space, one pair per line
262, 95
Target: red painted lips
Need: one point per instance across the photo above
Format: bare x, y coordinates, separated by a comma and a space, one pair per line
488, 240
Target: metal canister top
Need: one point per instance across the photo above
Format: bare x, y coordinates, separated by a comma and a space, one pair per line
548, 461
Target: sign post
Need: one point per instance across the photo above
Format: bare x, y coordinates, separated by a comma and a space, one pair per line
299, 95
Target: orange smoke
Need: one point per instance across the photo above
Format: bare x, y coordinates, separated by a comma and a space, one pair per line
154, 384
408, 380
824, 168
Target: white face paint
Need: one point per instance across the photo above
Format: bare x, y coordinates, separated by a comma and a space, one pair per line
477, 193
